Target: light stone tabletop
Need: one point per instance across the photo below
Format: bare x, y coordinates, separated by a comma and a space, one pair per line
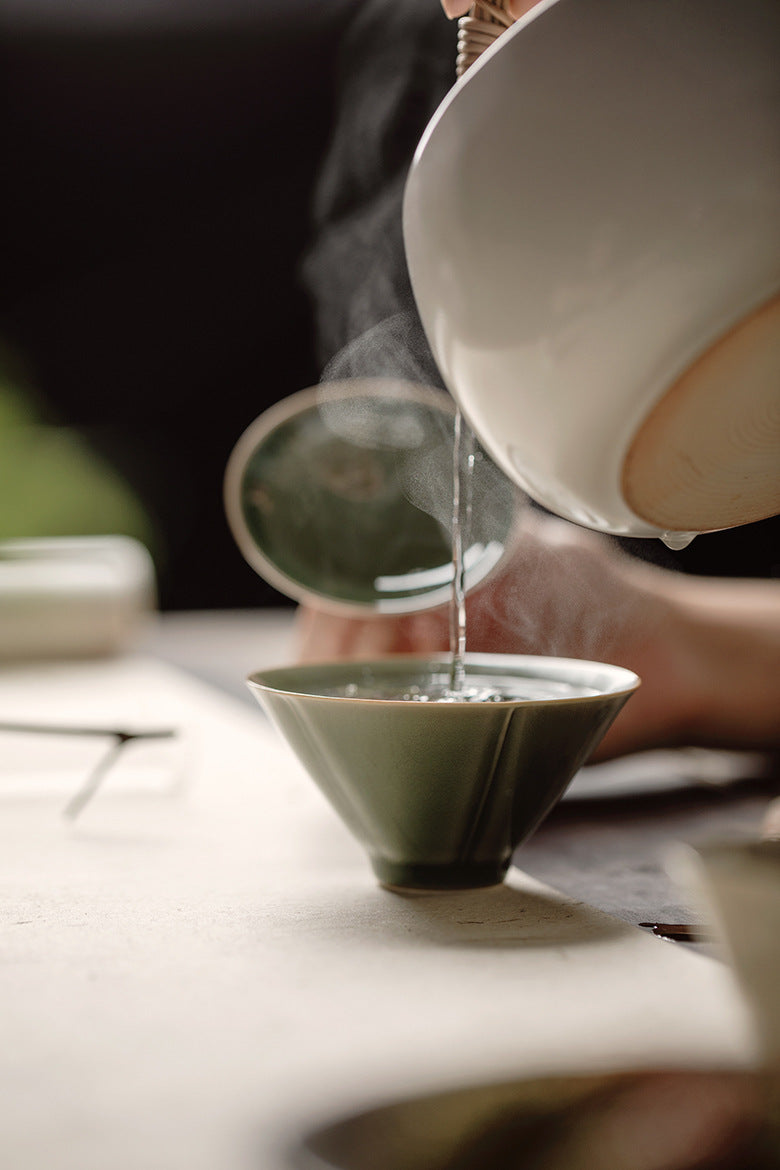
202, 965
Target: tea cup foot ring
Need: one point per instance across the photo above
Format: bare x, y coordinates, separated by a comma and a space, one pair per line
466, 875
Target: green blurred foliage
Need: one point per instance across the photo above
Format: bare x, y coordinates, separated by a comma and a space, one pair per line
51, 482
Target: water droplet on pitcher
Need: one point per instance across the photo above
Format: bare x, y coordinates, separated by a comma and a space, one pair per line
677, 540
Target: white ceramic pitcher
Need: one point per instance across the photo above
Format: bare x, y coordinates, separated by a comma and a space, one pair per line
592, 225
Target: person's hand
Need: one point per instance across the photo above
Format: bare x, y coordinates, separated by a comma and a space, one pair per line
563, 592
706, 650
515, 8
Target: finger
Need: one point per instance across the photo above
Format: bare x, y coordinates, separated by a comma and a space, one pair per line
515, 8
454, 8
770, 828
321, 636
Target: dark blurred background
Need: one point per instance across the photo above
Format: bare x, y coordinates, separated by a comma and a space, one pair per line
160, 161
159, 158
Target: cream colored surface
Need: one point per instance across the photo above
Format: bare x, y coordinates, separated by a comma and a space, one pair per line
189, 979
73, 596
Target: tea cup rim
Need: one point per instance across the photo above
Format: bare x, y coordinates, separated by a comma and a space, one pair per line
622, 681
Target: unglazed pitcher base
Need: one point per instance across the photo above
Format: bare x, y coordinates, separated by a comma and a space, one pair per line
708, 454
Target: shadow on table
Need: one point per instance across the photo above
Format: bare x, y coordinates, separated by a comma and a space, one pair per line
611, 850
686, 798
494, 918
502, 917
679, 1120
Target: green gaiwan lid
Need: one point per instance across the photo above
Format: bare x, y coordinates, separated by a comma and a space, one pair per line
342, 495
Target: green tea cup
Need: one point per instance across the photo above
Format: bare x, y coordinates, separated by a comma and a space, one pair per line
440, 793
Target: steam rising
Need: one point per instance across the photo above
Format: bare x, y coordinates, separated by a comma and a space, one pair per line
398, 63
394, 348
392, 421
562, 592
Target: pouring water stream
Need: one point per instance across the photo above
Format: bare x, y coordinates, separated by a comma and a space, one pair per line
462, 478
